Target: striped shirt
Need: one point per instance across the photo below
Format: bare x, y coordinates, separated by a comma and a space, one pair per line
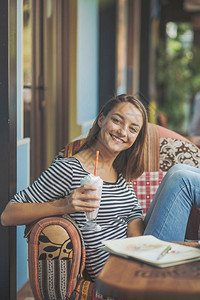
118, 206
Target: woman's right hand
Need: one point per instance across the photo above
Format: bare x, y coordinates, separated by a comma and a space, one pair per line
78, 199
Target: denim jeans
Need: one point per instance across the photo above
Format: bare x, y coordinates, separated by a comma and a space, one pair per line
169, 211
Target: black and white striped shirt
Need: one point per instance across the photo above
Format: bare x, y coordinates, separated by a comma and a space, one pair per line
118, 206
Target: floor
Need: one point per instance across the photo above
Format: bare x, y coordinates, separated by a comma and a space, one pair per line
25, 293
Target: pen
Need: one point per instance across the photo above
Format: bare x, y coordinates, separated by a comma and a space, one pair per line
164, 252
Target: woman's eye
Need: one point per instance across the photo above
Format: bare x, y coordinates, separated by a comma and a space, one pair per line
132, 129
116, 120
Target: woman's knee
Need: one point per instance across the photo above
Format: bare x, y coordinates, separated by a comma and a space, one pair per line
177, 174
176, 168
182, 168
181, 174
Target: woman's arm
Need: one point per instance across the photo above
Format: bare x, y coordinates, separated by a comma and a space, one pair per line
25, 213
135, 228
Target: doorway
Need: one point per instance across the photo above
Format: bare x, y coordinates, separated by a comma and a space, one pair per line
45, 59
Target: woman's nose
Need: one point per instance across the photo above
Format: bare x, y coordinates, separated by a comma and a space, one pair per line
122, 130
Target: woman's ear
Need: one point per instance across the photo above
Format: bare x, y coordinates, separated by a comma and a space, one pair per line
100, 120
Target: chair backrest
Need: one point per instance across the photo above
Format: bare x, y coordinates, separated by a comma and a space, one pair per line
167, 148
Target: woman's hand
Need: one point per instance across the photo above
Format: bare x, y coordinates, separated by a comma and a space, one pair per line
82, 199
135, 228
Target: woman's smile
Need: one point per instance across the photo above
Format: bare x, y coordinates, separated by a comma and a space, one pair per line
117, 139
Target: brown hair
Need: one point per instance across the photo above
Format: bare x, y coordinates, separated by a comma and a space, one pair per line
129, 162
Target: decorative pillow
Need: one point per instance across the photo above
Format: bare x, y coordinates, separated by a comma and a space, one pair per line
173, 151
145, 188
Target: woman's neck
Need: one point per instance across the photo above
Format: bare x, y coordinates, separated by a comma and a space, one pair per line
105, 163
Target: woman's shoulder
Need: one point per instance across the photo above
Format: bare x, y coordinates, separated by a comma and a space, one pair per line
68, 161
64, 159
123, 183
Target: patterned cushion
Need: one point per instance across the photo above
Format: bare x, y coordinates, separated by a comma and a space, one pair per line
145, 188
55, 253
53, 246
85, 290
173, 151
53, 276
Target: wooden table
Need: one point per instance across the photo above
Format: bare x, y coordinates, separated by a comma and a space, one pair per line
132, 280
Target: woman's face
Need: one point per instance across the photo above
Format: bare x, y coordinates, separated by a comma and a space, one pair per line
120, 128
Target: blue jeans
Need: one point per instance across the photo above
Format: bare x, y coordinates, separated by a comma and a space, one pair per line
169, 211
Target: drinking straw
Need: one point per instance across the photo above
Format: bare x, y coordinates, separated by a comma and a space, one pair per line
96, 163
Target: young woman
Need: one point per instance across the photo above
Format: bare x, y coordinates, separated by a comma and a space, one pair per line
119, 133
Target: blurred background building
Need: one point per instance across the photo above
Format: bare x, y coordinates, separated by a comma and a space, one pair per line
61, 60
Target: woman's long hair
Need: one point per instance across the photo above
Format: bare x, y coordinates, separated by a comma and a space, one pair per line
129, 162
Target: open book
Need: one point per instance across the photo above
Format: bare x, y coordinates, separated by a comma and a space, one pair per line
153, 251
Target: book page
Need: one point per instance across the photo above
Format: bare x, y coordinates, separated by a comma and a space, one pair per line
152, 250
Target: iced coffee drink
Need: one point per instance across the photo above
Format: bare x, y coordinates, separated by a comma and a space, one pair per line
97, 182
